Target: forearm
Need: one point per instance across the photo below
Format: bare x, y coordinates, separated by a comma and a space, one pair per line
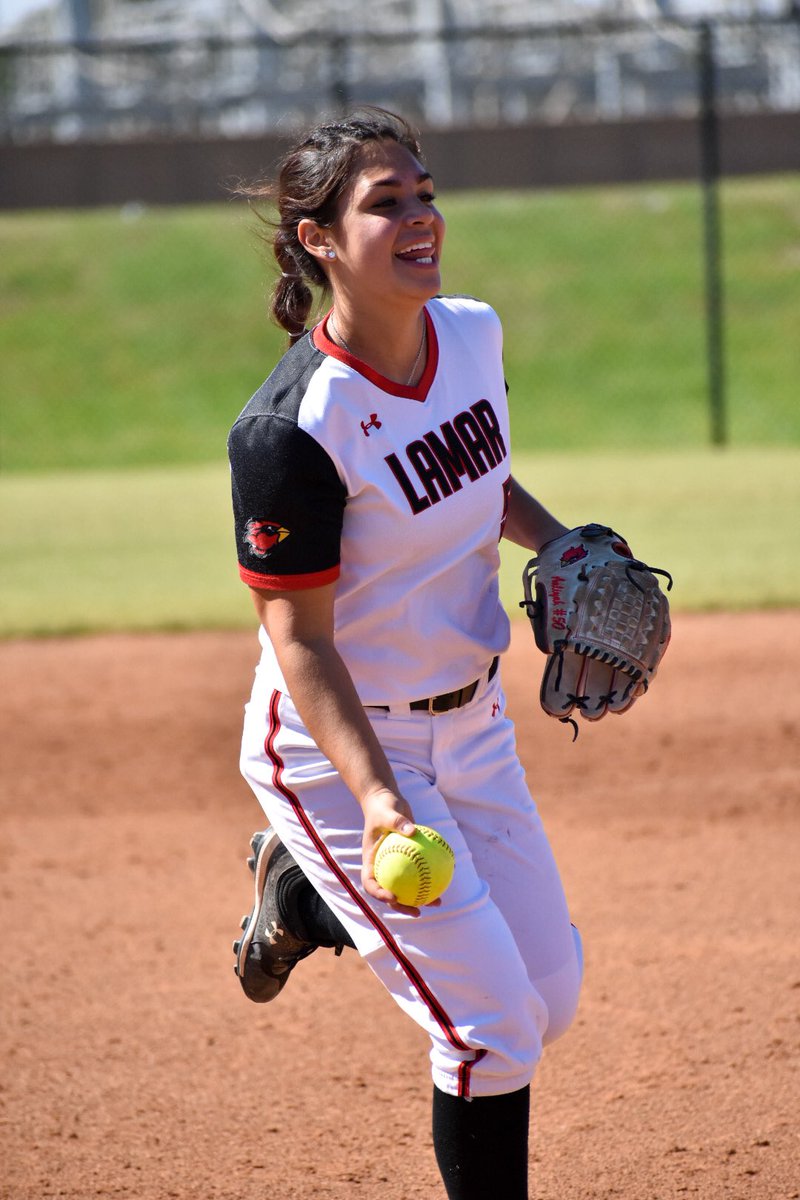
300, 625
326, 699
323, 692
528, 522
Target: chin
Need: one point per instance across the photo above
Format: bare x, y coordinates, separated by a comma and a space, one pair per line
431, 286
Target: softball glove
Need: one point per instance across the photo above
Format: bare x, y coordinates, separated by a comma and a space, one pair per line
600, 616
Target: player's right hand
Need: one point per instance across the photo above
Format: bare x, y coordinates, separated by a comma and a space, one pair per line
384, 812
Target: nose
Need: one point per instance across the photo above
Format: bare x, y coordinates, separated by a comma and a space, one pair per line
420, 213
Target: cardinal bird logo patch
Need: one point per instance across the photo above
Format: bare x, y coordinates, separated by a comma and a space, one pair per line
573, 555
263, 536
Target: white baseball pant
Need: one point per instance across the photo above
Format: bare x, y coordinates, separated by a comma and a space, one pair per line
492, 974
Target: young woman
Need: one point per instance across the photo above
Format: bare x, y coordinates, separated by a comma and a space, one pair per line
371, 485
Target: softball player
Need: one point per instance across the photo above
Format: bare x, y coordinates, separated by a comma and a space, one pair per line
371, 485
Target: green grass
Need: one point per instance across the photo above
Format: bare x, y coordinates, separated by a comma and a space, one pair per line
602, 298
134, 549
128, 342
129, 345
133, 341
724, 522
153, 549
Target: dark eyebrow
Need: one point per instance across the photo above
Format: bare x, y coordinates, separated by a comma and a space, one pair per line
393, 181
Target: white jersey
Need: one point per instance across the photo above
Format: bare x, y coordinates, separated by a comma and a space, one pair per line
397, 494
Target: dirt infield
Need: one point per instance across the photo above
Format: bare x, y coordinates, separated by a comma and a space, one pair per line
133, 1066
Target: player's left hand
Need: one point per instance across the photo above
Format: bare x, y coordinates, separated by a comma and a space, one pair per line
601, 617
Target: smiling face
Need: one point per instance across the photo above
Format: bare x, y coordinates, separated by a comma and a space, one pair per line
388, 234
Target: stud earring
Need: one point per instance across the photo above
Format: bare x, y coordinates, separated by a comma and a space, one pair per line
331, 253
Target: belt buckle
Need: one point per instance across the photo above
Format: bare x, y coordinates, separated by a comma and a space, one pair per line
459, 697
452, 700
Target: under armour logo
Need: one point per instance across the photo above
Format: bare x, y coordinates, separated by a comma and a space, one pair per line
273, 932
372, 423
495, 708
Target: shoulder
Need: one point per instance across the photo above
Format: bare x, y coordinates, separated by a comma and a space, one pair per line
465, 307
464, 319
288, 410
466, 312
268, 439
283, 392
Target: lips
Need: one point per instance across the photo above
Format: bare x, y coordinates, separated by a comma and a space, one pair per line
420, 252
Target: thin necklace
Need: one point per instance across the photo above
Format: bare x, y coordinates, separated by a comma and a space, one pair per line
339, 338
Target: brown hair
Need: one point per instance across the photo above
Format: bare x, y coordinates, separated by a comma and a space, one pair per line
311, 179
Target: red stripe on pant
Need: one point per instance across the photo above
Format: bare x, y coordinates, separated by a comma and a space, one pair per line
426, 995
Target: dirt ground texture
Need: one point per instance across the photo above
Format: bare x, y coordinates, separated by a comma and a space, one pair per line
132, 1064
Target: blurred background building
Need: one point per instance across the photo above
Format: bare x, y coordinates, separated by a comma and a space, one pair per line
132, 69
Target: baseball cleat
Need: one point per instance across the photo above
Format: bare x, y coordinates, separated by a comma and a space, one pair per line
267, 951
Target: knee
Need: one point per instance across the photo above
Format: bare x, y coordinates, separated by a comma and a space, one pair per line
578, 943
561, 991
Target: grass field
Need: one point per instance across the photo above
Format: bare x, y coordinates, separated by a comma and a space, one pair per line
132, 338
153, 549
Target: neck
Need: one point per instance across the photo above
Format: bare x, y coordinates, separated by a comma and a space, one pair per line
394, 347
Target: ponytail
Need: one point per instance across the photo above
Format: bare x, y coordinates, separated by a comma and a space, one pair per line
292, 298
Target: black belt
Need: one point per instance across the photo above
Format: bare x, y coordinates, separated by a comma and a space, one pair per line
448, 700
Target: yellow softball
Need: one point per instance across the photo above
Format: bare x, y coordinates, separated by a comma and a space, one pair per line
417, 868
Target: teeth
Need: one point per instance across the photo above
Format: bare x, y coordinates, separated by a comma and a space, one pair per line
418, 246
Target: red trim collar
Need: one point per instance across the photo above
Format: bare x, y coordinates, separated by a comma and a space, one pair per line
324, 343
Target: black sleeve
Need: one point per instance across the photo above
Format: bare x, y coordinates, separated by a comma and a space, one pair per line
288, 504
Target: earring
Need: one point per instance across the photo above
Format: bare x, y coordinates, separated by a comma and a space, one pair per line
331, 253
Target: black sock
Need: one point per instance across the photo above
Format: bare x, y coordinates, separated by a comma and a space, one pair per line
306, 913
321, 922
481, 1145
